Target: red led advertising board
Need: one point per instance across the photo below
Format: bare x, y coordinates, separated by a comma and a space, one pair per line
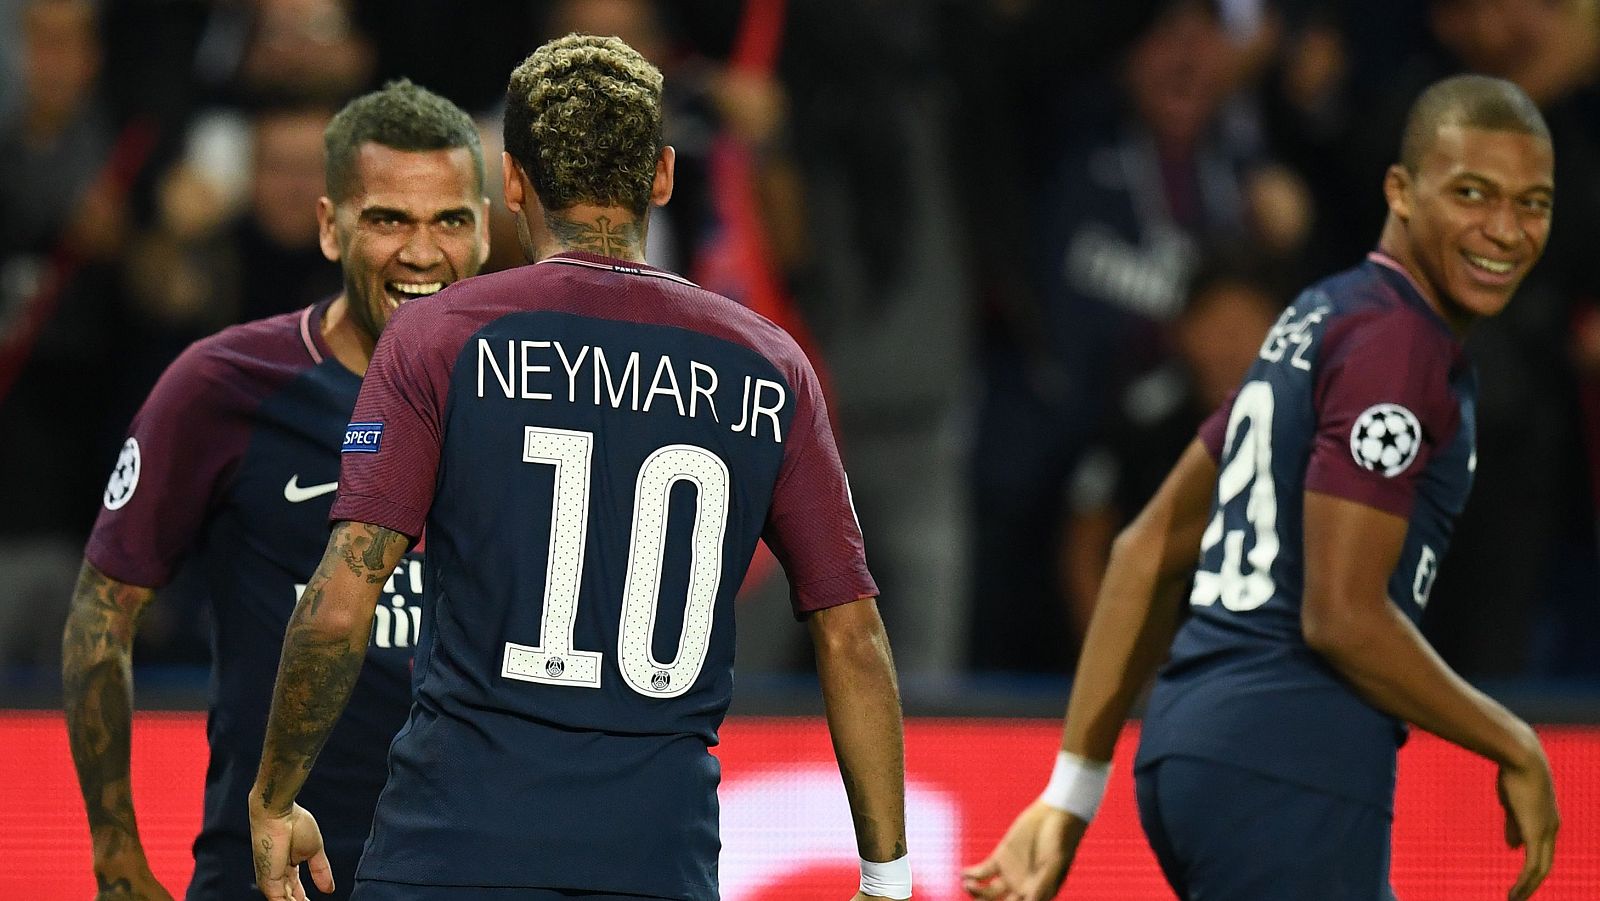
786, 829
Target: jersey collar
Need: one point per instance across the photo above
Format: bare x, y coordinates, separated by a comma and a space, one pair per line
1409, 290
596, 261
311, 330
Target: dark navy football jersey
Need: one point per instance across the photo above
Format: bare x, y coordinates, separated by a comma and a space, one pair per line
1361, 392
595, 450
231, 467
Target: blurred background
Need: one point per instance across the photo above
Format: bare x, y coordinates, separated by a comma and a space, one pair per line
1028, 244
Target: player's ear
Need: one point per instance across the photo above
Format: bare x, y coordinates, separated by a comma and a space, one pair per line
327, 237
661, 188
512, 182
1397, 191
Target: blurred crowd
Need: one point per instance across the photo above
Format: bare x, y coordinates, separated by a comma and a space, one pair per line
1030, 244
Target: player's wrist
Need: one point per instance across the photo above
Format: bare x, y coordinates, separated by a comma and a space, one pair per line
1077, 785
118, 858
1523, 751
890, 879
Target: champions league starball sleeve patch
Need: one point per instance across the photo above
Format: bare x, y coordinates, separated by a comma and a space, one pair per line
124, 477
362, 438
1386, 438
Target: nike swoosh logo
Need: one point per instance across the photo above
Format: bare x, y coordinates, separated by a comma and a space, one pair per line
294, 494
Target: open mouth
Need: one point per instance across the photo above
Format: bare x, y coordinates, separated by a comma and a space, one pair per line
400, 292
1490, 271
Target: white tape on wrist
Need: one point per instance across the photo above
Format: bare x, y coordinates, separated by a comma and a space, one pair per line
891, 879
1077, 785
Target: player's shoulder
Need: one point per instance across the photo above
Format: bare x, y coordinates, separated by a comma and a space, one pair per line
270, 349
1374, 309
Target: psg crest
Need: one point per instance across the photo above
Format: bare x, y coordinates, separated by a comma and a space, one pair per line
1386, 439
661, 680
554, 667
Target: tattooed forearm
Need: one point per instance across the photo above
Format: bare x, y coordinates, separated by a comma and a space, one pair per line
599, 235
323, 650
314, 682
97, 683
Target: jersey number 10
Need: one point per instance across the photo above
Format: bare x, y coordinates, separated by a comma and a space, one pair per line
554, 661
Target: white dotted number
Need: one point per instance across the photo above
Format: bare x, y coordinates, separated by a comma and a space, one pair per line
554, 661
1249, 465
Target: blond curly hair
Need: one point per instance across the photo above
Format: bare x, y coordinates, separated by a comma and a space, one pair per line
583, 119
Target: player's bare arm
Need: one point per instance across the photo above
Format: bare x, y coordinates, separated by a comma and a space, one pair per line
1134, 621
1350, 550
97, 681
323, 650
863, 704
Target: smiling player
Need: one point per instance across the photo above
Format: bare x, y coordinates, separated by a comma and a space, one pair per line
593, 446
232, 463
1317, 504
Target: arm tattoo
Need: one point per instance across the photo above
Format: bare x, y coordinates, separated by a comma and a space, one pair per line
599, 235
321, 662
97, 683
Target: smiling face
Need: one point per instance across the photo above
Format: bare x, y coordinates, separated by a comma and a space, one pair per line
1474, 217
415, 222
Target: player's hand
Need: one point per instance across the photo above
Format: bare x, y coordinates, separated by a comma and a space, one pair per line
133, 883
1032, 859
279, 844
1528, 794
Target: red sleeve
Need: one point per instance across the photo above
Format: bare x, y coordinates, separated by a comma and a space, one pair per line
811, 525
1384, 407
164, 480
390, 454
1214, 431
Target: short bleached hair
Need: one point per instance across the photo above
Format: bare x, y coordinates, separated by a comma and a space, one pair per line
583, 119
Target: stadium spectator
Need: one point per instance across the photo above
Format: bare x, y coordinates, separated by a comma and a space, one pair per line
1232, 301
1317, 504
64, 192
604, 719
229, 469
1141, 187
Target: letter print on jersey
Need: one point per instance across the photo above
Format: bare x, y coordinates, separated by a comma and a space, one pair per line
1386, 438
124, 476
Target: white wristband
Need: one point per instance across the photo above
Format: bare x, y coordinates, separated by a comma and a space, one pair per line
1077, 785
891, 879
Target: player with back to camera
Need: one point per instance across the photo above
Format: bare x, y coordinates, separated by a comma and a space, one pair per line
230, 466
594, 447
1267, 757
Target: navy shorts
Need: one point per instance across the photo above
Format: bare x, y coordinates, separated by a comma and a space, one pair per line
1226, 834
373, 890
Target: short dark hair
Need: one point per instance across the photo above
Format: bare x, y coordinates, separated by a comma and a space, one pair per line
1467, 101
583, 119
400, 116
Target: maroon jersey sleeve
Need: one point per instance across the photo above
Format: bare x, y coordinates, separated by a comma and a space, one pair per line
390, 453
1214, 431
1383, 407
166, 478
811, 525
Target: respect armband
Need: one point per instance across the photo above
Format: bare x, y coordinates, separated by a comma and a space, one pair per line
1077, 785
891, 879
